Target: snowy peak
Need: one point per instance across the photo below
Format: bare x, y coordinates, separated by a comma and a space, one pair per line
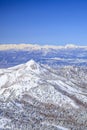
71, 46
33, 66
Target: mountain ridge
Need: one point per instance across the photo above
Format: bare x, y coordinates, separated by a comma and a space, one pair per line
37, 46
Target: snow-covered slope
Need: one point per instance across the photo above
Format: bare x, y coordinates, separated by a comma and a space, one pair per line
31, 94
31, 77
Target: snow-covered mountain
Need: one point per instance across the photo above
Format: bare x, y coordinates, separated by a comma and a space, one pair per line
34, 96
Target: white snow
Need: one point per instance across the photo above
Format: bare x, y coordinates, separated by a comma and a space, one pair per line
4, 122
3, 79
71, 46
57, 126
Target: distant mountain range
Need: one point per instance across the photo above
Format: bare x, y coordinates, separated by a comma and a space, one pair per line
37, 47
12, 54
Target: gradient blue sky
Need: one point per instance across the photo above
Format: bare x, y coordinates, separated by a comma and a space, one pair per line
56, 22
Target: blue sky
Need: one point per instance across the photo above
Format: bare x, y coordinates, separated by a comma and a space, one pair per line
56, 22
